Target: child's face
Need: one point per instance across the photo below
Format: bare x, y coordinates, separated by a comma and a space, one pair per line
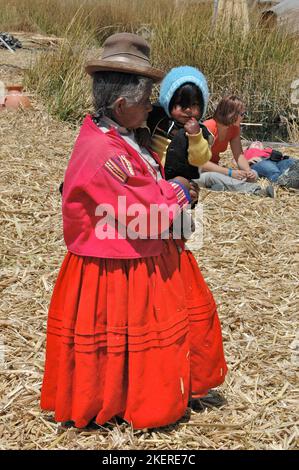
182, 115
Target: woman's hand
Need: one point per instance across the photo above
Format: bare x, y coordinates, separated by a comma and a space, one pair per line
251, 176
194, 191
239, 174
192, 127
190, 185
183, 181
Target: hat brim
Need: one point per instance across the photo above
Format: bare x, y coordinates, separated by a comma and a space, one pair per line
113, 66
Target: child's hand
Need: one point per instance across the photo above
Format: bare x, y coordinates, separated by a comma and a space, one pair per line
192, 126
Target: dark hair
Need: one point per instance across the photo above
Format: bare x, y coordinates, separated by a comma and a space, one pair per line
228, 110
108, 86
186, 95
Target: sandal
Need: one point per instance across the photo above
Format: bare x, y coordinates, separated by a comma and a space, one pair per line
213, 399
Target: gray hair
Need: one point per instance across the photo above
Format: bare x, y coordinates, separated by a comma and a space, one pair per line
108, 86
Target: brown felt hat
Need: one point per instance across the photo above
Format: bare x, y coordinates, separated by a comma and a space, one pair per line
127, 53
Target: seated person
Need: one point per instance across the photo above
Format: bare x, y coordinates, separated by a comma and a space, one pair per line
273, 165
225, 127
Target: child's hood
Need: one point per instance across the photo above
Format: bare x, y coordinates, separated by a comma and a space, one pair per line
177, 77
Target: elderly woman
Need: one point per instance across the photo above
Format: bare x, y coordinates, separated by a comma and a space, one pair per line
133, 330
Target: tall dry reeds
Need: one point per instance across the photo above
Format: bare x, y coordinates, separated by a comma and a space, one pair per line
259, 66
58, 76
104, 16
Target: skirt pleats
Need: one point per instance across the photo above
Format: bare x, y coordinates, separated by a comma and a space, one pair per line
130, 338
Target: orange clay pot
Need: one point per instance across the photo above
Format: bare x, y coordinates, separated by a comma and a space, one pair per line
15, 99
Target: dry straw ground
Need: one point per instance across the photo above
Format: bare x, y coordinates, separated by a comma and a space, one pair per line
249, 258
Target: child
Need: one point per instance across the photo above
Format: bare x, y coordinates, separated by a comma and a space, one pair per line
173, 129
125, 311
178, 137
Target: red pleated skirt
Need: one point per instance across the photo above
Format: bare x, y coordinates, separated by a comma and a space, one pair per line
130, 338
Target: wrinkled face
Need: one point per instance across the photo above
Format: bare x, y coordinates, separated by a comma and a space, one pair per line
182, 115
132, 115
